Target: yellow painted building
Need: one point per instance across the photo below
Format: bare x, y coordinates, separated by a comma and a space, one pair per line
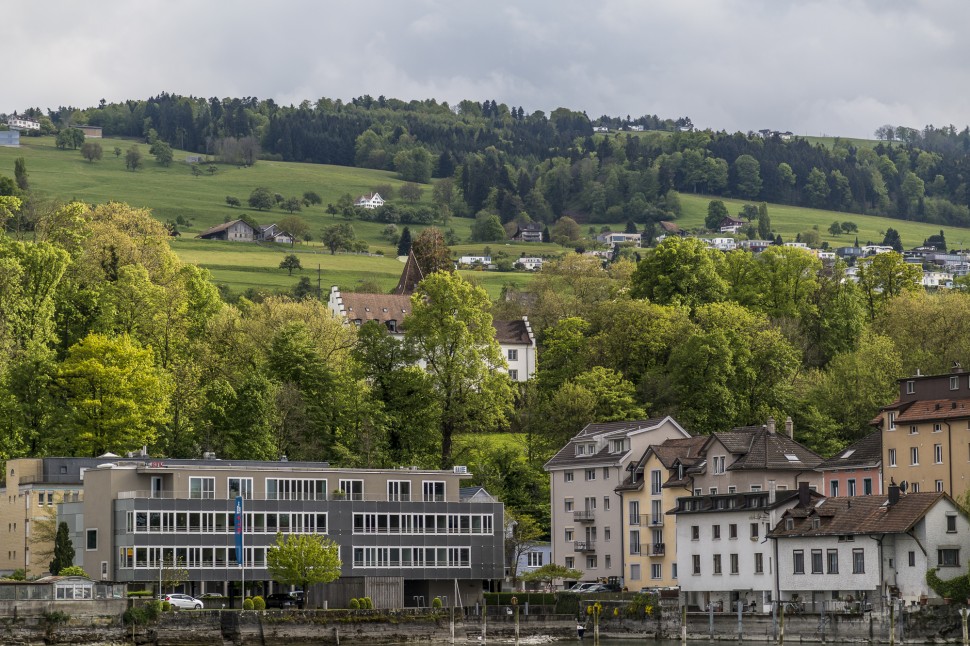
655, 482
926, 434
31, 489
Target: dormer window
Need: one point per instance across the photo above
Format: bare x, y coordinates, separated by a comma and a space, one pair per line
910, 387
789, 523
618, 446
816, 522
954, 383
892, 421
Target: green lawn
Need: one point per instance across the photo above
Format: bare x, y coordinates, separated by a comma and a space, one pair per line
791, 220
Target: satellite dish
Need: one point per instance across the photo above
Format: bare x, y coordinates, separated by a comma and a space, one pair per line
903, 485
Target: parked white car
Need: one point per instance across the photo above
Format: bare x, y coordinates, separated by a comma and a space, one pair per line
184, 601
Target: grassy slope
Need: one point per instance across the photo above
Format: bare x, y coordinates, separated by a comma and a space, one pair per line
791, 220
174, 191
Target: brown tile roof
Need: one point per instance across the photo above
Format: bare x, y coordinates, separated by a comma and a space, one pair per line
678, 448
376, 307
669, 227
859, 515
867, 452
933, 409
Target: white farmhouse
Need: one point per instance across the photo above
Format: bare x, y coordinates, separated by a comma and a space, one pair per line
370, 201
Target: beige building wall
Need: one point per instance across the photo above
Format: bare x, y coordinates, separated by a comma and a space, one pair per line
942, 455
25, 500
646, 523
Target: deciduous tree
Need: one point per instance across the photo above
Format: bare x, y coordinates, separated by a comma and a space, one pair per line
262, 199
451, 329
303, 560
290, 263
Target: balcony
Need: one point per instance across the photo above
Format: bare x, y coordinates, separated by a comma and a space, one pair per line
657, 549
656, 521
584, 516
584, 546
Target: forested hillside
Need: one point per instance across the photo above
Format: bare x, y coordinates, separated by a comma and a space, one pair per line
539, 166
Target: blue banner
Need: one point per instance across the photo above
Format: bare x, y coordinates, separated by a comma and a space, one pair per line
240, 557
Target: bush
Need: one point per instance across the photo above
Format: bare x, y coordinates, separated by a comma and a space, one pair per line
259, 603
166, 606
436, 603
142, 614
136, 594
354, 604
247, 604
368, 603
956, 588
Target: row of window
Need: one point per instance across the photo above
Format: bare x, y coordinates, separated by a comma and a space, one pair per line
365, 523
914, 455
753, 531
160, 558
850, 486
309, 489
590, 534
591, 562
411, 557
831, 561
588, 474
656, 571
215, 522
759, 564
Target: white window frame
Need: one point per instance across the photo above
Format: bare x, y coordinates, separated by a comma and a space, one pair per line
513, 354
395, 490
346, 487
88, 532
429, 491
245, 487
201, 481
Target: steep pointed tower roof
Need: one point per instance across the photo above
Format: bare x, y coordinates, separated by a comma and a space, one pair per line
410, 277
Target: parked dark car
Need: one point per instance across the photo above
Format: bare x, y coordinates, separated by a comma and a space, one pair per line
280, 600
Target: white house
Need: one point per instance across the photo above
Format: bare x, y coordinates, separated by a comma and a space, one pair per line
937, 279
530, 263
612, 238
721, 244
797, 245
723, 555
868, 549
370, 201
600, 129
19, 123
272, 233
515, 337
475, 260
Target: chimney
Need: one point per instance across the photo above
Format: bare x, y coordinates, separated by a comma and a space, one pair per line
804, 493
893, 493
771, 425
789, 428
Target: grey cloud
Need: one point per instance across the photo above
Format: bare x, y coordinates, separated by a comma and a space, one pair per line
832, 66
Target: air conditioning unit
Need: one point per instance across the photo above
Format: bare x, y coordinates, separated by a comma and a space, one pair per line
459, 469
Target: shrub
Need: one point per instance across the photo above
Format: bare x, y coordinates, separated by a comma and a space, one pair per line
142, 614
436, 603
166, 606
259, 603
354, 604
135, 594
247, 604
956, 588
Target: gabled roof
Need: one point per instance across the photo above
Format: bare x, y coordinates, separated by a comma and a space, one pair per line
222, 227
669, 453
513, 332
866, 452
567, 455
859, 515
757, 448
375, 307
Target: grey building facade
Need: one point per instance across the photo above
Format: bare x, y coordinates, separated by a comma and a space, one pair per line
405, 532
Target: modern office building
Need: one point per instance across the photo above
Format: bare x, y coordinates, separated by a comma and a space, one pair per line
405, 535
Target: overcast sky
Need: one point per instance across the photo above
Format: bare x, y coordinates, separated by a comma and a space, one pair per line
838, 67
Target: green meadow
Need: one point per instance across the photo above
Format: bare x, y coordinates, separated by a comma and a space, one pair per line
174, 191
792, 220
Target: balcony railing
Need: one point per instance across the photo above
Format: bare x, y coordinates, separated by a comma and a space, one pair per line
657, 520
584, 516
657, 549
320, 497
584, 546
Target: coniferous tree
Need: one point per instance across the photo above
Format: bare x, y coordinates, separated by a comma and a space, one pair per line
63, 550
404, 244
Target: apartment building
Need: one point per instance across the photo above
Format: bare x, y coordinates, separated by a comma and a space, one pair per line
30, 492
405, 535
723, 554
587, 515
926, 434
647, 494
855, 470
